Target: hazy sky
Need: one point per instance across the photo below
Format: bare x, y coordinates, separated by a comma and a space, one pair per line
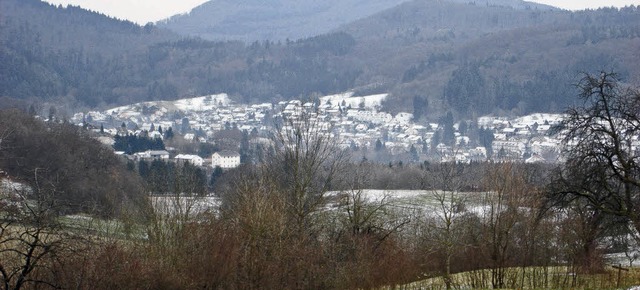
583, 4
143, 11
139, 11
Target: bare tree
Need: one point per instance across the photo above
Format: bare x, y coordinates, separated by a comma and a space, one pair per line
31, 237
602, 156
445, 223
363, 229
376, 217
508, 205
584, 228
277, 207
306, 162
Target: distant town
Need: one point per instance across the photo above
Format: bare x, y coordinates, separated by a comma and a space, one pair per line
357, 123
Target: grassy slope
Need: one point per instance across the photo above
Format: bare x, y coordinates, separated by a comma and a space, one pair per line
535, 278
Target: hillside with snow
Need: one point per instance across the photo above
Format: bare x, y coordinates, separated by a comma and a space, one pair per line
357, 122
158, 109
349, 100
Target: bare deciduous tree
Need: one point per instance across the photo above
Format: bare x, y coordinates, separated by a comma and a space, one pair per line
508, 204
602, 157
306, 162
445, 223
31, 237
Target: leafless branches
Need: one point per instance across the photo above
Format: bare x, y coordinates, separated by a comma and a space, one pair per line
31, 237
602, 148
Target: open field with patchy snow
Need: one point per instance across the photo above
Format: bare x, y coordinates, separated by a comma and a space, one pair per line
535, 278
413, 199
186, 206
347, 99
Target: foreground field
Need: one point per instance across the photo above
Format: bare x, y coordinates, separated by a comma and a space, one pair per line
536, 278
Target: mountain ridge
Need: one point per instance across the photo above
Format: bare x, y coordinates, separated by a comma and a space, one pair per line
430, 56
253, 20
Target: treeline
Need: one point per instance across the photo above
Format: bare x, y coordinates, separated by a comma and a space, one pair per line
132, 143
276, 231
303, 219
470, 88
55, 53
149, 63
172, 178
63, 161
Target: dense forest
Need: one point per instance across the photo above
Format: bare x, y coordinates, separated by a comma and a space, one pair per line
128, 63
471, 59
279, 20
61, 161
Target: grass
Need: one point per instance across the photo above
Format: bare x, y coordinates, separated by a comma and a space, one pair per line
101, 227
534, 278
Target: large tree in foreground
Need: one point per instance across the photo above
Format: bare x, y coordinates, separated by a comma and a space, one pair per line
306, 163
601, 151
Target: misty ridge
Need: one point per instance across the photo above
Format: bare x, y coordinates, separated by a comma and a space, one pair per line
413, 144
495, 57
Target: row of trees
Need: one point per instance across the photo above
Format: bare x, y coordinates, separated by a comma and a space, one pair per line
133, 143
271, 234
171, 178
303, 220
62, 159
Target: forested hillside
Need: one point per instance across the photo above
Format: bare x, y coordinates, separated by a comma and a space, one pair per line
252, 20
483, 59
60, 162
51, 52
73, 55
432, 56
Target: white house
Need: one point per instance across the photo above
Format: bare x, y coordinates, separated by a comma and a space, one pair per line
153, 155
192, 159
225, 159
189, 136
514, 149
535, 158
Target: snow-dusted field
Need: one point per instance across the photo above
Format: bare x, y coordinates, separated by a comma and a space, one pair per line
540, 118
201, 104
425, 201
184, 205
349, 100
160, 109
197, 104
10, 186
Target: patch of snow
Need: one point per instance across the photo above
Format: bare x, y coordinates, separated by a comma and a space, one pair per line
8, 185
106, 140
200, 104
172, 205
161, 108
348, 99
335, 99
539, 118
403, 118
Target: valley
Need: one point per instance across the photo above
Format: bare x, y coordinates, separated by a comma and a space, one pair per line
358, 124
441, 144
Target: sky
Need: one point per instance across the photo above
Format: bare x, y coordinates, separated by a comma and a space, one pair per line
584, 4
144, 11
138, 11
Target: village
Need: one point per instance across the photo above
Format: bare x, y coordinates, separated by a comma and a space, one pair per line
357, 123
